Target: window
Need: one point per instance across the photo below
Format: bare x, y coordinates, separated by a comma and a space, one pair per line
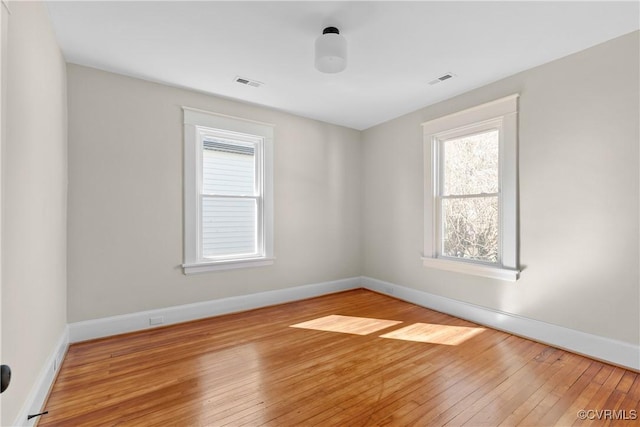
228, 192
471, 191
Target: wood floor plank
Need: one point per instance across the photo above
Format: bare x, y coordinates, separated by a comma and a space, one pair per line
408, 366
506, 397
580, 403
401, 402
564, 381
544, 387
568, 395
603, 397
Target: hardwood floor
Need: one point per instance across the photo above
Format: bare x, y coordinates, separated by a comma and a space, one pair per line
355, 358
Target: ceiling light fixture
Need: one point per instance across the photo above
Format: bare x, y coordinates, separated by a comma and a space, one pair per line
331, 51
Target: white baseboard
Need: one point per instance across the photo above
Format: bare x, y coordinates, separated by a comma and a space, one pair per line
40, 390
98, 328
608, 350
597, 347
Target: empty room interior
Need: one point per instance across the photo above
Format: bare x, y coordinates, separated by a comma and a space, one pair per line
350, 213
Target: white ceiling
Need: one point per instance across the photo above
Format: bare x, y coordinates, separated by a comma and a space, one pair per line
395, 48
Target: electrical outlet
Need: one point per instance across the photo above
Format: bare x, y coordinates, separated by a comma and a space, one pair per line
156, 320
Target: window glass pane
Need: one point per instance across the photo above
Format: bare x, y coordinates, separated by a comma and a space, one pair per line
470, 228
228, 226
471, 164
228, 168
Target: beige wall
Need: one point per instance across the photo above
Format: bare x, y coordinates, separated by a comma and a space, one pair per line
34, 201
125, 199
346, 203
579, 188
578, 197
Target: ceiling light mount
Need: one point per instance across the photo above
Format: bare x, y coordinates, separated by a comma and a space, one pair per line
331, 51
331, 30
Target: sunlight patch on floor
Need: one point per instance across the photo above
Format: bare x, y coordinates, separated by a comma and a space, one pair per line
434, 334
347, 324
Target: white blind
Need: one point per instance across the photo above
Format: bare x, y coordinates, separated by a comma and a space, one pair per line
228, 169
229, 198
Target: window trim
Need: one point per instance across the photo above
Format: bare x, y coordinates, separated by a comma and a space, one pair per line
193, 120
502, 112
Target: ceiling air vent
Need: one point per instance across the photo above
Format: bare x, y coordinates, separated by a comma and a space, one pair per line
248, 82
442, 78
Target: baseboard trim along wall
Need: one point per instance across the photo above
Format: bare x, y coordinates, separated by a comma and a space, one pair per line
40, 390
601, 348
605, 349
597, 347
98, 328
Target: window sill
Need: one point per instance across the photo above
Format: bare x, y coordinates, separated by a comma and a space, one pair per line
204, 267
491, 272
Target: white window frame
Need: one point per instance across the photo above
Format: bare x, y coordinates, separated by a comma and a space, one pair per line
501, 114
199, 124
